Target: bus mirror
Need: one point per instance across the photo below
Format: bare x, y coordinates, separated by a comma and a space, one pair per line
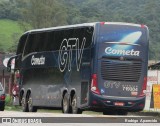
8, 68
11, 63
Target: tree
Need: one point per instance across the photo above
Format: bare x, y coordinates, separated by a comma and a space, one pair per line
41, 13
8, 10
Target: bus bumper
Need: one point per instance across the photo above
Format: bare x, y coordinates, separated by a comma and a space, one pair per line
100, 103
2, 104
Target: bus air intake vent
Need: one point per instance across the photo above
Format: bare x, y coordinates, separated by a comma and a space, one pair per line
121, 70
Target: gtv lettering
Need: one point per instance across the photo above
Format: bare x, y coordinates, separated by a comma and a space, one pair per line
66, 50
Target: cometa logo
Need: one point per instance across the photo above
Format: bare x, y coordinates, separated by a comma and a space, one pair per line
37, 61
131, 52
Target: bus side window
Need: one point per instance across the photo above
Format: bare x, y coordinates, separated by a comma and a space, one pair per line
40, 43
34, 44
55, 39
46, 42
28, 45
51, 41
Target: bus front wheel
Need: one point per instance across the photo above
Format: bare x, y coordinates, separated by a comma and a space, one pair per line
65, 104
75, 109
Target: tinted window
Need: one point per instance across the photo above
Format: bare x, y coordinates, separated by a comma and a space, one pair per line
121, 33
28, 44
21, 44
51, 40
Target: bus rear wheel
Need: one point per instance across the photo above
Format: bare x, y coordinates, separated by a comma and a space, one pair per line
65, 104
75, 109
30, 105
24, 104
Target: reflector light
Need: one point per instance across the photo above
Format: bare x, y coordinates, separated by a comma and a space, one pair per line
102, 23
142, 26
141, 105
94, 102
143, 87
2, 97
94, 86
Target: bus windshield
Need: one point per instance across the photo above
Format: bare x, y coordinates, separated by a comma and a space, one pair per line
122, 40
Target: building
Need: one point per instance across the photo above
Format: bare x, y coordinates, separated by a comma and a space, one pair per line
4, 74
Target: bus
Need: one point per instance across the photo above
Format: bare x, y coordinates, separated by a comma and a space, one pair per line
99, 66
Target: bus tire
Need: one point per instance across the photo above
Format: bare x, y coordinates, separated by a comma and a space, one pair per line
2, 108
31, 108
75, 109
24, 104
20, 98
65, 104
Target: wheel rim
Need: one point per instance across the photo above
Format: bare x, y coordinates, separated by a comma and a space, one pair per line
23, 103
30, 103
74, 105
65, 104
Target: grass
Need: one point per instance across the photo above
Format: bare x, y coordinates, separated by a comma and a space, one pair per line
13, 108
9, 106
9, 33
8, 100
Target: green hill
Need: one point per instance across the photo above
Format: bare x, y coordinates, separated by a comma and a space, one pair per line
9, 34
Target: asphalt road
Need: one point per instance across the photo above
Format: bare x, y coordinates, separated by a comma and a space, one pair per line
15, 118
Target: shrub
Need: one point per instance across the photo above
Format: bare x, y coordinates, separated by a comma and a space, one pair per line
8, 99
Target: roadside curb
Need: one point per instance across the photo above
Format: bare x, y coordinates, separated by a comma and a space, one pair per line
147, 113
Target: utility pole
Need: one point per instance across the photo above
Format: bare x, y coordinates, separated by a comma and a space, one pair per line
3, 78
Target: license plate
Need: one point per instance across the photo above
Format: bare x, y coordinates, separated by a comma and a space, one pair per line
119, 104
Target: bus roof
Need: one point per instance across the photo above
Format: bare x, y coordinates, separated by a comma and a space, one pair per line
80, 25
61, 27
